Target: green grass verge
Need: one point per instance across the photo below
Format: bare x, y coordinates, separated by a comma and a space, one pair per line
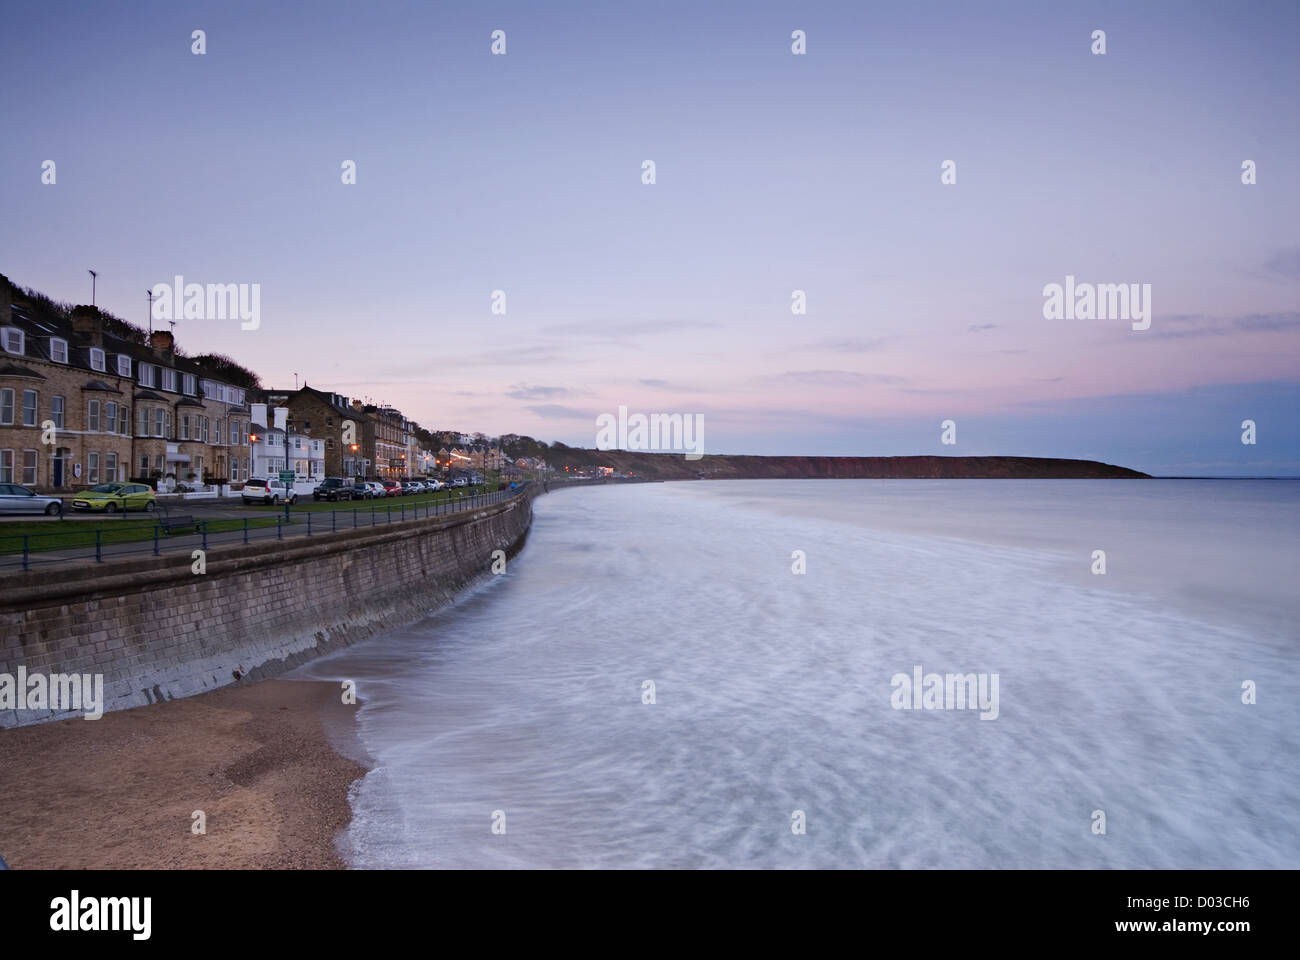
43, 536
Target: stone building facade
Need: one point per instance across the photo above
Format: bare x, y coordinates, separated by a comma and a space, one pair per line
81, 405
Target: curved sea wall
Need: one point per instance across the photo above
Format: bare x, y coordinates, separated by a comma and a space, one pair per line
156, 630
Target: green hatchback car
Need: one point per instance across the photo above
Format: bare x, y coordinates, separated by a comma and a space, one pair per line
112, 497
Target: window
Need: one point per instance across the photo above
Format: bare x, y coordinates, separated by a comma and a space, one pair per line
144, 465
123, 366
6, 466
216, 427
58, 350
191, 384
29, 468
158, 463
203, 429
330, 443
6, 408
92, 416
97, 359
124, 420
185, 426
169, 380
142, 421
56, 412
110, 418
160, 428
110, 467
92, 468
13, 343
148, 374
29, 408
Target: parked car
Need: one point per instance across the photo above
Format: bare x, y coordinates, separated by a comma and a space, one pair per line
419, 486
15, 498
435, 485
336, 488
259, 490
392, 488
112, 497
374, 489
460, 482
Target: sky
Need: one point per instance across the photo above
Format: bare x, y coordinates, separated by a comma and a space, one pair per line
774, 172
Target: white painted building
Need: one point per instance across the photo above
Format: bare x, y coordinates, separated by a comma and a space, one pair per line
306, 456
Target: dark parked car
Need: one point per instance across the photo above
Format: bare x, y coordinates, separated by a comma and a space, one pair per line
336, 488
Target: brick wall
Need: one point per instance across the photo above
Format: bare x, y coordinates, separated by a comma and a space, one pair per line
158, 631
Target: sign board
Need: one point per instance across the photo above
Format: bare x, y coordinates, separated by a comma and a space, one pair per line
287, 476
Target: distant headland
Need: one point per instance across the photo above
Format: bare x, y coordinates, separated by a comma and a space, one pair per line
673, 466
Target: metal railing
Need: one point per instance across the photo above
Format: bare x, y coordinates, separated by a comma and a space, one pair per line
152, 537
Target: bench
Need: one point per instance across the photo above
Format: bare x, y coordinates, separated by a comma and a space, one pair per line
175, 523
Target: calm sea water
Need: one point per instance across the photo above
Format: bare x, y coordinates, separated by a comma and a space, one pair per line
1119, 693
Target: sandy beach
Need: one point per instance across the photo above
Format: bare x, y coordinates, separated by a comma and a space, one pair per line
269, 764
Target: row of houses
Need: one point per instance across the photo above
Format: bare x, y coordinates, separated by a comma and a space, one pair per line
81, 404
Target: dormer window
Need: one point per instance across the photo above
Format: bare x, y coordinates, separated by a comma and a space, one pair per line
191, 384
169, 379
123, 365
13, 340
58, 350
148, 374
97, 359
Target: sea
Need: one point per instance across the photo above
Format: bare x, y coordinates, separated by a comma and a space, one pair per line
720, 674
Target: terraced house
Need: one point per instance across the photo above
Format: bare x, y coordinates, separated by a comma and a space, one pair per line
82, 402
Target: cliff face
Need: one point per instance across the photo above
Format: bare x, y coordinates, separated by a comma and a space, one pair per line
666, 466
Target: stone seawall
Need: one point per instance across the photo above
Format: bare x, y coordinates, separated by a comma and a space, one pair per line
157, 631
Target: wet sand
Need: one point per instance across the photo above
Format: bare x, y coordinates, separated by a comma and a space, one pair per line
268, 763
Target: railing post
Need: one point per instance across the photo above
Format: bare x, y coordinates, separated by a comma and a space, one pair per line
372, 516
246, 530
334, 521
155, 539
99, 545
309, 523
204, 525
25, 566
354, 518
390, 513
403, 513
279, 528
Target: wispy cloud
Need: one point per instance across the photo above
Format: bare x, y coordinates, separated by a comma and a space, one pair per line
521, 391
1185, 326
838, 378
1286, 263
845, 344
556, 411
623, 332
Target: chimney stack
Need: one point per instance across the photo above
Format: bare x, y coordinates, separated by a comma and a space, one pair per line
163, 344
87, 322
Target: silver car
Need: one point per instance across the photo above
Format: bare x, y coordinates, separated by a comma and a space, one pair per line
15, 498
